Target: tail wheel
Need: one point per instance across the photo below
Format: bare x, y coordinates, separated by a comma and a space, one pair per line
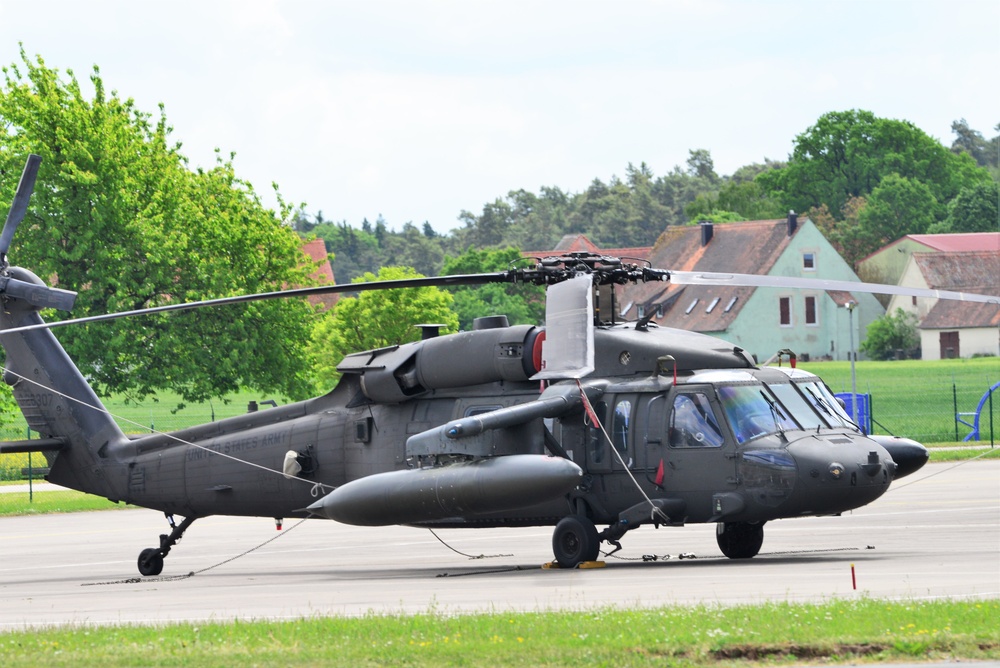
574, 541
739, 540
150, 562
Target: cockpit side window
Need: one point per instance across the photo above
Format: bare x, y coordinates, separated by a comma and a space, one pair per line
693, 423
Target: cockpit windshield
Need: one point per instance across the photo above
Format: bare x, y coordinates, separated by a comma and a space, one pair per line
826, 404
753, 411
804, 414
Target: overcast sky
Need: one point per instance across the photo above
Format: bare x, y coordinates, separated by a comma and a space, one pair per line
417, 110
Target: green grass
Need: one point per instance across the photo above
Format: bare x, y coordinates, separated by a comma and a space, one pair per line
835, 632
40, 503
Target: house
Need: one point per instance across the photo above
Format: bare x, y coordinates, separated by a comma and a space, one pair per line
812, 323
886, 265
951, 328
323, 274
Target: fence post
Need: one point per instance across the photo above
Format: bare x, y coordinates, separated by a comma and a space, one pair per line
31, 475
991, 416
954, 402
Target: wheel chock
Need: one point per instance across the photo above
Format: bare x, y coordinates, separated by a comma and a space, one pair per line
555, 565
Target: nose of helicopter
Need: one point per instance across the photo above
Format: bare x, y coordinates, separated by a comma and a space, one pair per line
840, 472
907, 454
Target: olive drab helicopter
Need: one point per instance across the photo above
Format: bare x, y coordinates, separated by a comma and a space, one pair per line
588, 424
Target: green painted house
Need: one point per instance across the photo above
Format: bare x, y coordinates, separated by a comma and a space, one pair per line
814, 324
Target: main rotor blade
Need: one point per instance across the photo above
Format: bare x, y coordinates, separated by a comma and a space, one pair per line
436, 281
20, 204
751, 280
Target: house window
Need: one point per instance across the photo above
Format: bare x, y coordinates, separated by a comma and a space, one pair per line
810, 310
640, 311
712, 305
730, 305
785, 311
691, 307
809, 261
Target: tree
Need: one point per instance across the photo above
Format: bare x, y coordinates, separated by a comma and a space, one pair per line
972, 142
974, 210
847, 154
896, 207
376, 319
118, 216
890, 333
522, 304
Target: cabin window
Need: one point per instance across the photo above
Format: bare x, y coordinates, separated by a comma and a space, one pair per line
693, 423
785, 311
597, 444
620, 425
810, 310
809, 261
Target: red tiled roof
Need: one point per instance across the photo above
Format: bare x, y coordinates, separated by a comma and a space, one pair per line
747, 248
950, 314
963, 241
316, 250
976, 271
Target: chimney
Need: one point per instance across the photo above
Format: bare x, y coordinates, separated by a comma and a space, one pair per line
706, 232
793, 222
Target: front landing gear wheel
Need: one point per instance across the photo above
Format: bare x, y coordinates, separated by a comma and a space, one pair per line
739, 540
150, 562
574, 541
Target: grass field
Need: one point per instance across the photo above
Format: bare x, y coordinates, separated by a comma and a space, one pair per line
860, 630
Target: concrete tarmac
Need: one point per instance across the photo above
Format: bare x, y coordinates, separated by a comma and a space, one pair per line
936, 534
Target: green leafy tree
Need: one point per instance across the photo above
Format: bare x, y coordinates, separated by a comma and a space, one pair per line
118, 216
974, 210
376, 319
896, 207
522, 304
847, 154
891, 332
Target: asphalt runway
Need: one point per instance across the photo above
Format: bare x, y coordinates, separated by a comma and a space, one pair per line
936, 534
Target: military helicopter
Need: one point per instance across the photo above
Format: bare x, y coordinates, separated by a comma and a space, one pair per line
586, 422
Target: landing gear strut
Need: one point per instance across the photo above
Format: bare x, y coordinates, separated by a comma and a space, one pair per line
739, 540
151, 559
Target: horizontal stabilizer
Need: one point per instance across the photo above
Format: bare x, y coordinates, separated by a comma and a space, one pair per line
35, 445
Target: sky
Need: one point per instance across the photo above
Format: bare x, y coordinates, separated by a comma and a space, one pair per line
417, 110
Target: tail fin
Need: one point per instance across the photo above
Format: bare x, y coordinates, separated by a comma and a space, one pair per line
58, 403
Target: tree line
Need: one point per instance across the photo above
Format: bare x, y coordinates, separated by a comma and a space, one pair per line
864, 180
120, 217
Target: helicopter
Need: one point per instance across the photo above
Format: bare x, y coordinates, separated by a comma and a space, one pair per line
585, 422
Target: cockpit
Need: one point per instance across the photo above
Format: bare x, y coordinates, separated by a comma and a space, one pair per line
755, 405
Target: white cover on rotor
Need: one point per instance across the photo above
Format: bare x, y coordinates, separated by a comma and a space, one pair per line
568, 349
